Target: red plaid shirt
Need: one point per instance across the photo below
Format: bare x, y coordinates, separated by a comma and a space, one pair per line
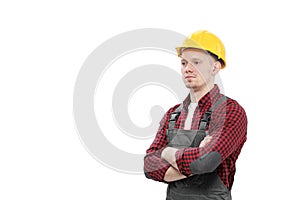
228, 127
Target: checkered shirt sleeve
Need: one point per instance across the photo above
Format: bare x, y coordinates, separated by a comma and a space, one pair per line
227, 136
155, 167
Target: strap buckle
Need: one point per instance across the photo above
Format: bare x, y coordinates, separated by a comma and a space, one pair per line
206, 116
174, 116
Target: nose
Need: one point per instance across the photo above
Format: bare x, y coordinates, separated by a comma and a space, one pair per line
189, 67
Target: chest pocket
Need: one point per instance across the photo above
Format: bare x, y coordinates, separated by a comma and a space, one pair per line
180, 138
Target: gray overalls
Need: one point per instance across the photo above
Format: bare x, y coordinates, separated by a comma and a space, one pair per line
206, 186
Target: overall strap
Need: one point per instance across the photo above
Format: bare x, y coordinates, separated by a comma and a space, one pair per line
206, 117
174, 116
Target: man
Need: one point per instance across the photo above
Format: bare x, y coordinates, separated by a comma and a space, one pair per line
199, 141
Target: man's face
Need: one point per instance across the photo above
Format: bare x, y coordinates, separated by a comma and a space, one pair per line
197, 68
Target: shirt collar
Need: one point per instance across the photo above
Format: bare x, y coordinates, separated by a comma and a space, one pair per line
207, 100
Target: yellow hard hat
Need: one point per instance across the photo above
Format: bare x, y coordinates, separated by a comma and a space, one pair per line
206, 41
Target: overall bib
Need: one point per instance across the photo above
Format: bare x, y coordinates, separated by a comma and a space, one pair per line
197, 187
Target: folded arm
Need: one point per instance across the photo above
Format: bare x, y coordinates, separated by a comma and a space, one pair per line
226, 137
155, 167
168, 154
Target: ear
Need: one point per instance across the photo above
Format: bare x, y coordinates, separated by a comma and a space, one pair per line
216, 67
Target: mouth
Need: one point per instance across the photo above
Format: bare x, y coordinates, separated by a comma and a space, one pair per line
189, 77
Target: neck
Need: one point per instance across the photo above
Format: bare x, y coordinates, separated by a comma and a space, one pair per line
197, 94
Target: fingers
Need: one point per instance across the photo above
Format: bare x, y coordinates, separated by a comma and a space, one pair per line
205, 141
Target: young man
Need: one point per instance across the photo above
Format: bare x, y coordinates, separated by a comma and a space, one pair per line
199, 141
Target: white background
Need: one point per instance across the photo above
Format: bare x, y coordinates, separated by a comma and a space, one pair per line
44, 44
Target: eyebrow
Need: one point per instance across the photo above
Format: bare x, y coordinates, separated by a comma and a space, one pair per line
193, 59
197, 59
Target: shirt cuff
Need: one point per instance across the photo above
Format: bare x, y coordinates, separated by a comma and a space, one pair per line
179, 160
183, 161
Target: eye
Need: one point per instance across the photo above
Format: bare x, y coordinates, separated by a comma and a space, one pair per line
183, 63
198, 62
